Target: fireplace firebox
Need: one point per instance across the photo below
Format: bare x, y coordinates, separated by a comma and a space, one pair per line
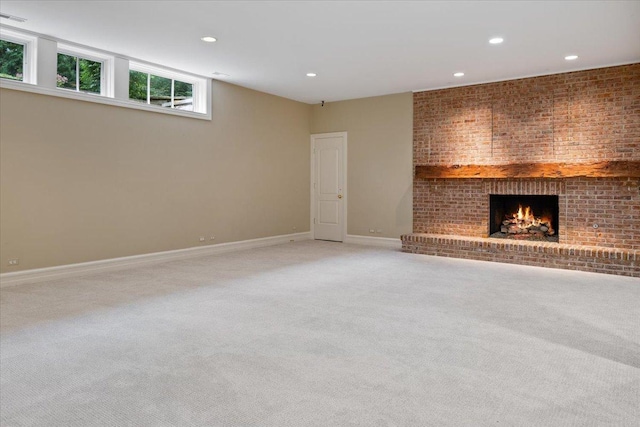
524, 217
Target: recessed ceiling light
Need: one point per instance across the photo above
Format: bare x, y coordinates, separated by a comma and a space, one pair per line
458, 74
496, 40
219, 74
209, 39
311, 74
571, 57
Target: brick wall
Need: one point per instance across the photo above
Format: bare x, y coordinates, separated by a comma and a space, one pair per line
573, 117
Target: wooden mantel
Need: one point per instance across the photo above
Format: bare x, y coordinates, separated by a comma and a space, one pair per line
533, 170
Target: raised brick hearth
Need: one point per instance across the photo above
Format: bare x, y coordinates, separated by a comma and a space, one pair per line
580, 117
542, 254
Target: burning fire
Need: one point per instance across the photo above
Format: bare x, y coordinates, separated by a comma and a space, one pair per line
527, 217
524, 221
528, 213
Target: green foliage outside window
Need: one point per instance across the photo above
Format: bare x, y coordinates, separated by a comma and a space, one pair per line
11, 60
66, 77
182, 90
88, 77
137, 86
159, 92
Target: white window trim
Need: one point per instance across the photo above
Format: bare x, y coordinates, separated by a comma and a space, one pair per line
29, 63
200, 101
107, 69
203, 92
97, 99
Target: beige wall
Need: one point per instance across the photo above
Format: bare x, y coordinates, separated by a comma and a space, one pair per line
379, 169
84, 181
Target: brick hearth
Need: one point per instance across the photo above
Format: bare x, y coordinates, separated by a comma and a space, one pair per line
596, 259
580, 117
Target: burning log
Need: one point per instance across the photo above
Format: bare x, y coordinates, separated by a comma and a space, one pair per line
525, 225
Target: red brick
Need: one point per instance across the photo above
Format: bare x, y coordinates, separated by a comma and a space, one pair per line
574, 117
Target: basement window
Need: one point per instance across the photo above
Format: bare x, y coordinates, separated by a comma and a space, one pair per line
73, 71
11, 60
166, 89
79, 74
17, 56
81, 70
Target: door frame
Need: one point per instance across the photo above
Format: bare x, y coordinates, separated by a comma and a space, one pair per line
344, 180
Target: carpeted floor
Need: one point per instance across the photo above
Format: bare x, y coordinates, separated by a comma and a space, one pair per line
322, 334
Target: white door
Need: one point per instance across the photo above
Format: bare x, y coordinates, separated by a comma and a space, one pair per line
328, 201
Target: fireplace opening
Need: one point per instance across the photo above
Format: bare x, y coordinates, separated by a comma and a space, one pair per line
524, 217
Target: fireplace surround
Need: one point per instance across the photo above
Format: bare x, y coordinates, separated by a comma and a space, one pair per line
573, 137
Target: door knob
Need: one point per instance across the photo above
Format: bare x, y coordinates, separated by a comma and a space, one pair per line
339, 196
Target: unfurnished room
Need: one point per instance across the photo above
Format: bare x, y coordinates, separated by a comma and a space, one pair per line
319, 213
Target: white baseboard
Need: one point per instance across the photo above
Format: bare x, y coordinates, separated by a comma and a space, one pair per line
73, 270
374, 241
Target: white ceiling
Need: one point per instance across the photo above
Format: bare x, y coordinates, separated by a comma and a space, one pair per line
358, 49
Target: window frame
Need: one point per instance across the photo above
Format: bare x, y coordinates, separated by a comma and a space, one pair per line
39, 76
29, 54
198, 91
106, 70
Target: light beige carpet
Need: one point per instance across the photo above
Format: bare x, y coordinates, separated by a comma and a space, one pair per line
322, 334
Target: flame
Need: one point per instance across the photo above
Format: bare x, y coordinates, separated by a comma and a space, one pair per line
526, 218
523, 222
527, 215
518, 215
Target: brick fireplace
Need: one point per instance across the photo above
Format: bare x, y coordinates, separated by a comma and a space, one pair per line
573, 136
